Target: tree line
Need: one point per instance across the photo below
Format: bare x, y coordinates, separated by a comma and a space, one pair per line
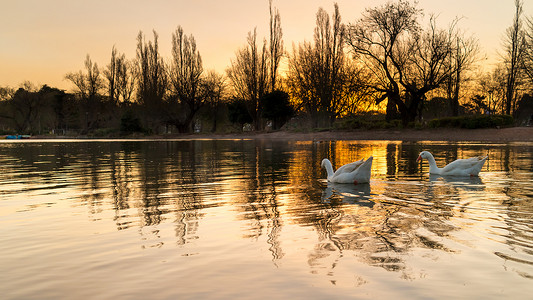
389, 60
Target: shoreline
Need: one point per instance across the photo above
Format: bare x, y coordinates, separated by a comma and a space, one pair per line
511, 134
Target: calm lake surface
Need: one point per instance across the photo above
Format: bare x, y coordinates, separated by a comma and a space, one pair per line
255, 219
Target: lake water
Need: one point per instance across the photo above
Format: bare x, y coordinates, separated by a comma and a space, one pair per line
255, 219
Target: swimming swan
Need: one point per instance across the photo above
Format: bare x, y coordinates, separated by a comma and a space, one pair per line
460, 167
356, 172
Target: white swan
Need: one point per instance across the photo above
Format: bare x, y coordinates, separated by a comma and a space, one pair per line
459, 167
356, 172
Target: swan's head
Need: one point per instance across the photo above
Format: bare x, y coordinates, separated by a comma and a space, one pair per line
324, 162
423, 155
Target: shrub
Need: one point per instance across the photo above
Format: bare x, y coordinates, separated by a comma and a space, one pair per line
473, 122
238, 113
130, 123
277, 108
368, 122
104, 132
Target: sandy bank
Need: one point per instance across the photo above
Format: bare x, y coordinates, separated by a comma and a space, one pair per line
514, 134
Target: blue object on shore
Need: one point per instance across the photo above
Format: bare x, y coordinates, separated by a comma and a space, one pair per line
17, 137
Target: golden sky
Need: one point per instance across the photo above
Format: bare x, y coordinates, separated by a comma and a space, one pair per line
42, 40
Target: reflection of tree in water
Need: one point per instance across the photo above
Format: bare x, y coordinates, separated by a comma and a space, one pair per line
381, 234
143, 182
402, 219
172, 178
518, 201
146, 183
265, 164
519, 238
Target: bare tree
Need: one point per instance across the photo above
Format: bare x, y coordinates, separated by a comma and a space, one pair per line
78, 79
248, 74
254, 71
318, 73
152, 79
464, 54
276, 45
185, 76
492, 86
426, 69
514, 55
380, 40
407, 62
110, 74
94, 80
126, 78
213, 90
25, 106
6, 93
90, 83
528, 53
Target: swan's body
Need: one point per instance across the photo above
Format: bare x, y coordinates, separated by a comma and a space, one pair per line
356, 172
461, 167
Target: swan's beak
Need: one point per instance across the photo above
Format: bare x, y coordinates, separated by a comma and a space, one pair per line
419, 158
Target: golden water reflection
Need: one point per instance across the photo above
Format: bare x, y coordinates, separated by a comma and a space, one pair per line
269, 190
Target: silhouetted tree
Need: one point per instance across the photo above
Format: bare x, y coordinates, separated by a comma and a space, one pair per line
126, 78
426, 69
253, 72
89, 84
275, 46
513, 57
114, 74
30, 111
6, 93
249, 74
214, 88
25, 109
110, 74
528, 53
380, 40
319, 75
56, 114
492, 85
152, 79
408, 62
463, 56
186, 78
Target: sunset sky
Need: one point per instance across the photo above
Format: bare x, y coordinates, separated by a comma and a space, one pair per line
41, 41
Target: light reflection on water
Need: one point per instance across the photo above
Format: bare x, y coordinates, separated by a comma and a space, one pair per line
256, 219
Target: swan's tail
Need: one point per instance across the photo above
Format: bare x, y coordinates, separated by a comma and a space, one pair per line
477, 168
368, 163
364, 170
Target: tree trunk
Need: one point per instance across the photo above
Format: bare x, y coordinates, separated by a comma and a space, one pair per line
392, 111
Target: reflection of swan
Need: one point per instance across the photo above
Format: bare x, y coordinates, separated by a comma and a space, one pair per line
459, 167
359, 194
456, 180
473, 183
356, 172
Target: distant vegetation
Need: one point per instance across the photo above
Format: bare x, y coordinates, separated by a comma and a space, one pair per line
473, 122
366, 73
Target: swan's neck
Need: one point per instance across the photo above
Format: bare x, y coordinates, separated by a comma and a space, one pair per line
329, 168
433, 169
